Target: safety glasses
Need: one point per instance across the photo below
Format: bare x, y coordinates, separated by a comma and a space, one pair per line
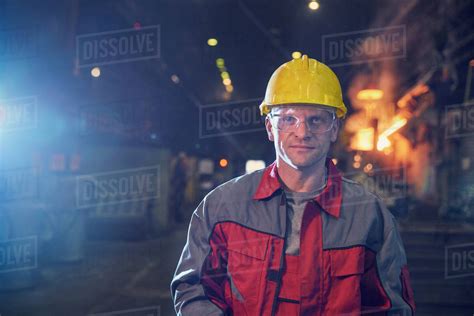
318, 123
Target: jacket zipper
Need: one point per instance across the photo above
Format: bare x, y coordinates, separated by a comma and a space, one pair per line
282, 259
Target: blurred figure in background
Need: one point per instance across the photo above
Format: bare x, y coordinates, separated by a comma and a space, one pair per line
178, 187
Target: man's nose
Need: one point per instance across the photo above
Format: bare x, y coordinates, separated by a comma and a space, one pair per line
302, 130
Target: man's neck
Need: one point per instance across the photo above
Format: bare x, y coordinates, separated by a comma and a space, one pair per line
306, 179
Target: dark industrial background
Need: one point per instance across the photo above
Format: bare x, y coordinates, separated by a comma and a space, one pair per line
67, 123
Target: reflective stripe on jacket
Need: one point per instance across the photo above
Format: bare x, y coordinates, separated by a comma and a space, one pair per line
351, 260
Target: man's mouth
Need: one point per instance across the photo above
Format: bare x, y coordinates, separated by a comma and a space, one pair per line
302, 147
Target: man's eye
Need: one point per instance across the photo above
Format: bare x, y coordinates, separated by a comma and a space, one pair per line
288, 119
316, 119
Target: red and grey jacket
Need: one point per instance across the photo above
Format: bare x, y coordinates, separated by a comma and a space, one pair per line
351, 259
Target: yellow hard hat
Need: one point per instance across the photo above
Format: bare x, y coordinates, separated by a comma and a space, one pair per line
305, 81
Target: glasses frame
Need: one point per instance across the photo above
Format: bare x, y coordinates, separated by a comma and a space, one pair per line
299, 121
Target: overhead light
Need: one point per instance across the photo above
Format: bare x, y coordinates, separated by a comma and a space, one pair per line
313, 5
227, 82
175, 79
220, 62
95, 72
212, 42
229, 88
296, 55
225, 75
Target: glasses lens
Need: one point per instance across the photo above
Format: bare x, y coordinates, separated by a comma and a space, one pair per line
317, 123
286, 122
321, 122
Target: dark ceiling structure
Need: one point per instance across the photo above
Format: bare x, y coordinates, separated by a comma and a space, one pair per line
254, 38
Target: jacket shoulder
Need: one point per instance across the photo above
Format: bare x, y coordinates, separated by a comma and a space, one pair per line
234, 194
357, 197
241, 187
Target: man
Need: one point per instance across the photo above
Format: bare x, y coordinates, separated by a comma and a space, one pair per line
295, 238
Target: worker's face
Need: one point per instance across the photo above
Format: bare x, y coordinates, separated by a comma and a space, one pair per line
304, 145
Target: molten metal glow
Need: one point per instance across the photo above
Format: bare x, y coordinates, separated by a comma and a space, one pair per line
370, 95
383, 141
363, 139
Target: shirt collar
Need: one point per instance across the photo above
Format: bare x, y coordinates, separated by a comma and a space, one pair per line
329, 199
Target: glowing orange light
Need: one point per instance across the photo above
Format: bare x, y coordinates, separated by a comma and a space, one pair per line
415, 92
363, 140
370, 95
223, 162
368, 167
383, 141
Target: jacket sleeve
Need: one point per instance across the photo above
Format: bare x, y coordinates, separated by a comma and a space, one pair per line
197, 287
393, 294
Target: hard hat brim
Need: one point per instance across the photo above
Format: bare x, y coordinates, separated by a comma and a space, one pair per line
341, 110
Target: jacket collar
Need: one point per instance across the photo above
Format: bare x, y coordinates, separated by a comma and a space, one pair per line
329, 199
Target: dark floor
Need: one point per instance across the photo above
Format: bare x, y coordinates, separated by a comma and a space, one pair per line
114, 276
436, 293
118, 276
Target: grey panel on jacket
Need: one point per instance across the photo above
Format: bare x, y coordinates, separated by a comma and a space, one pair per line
360, 221
233, 201
186, 284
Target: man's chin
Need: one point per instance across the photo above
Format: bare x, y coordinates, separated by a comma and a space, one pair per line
303, 163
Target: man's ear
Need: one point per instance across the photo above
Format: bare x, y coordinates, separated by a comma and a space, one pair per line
335, 130
269, 129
